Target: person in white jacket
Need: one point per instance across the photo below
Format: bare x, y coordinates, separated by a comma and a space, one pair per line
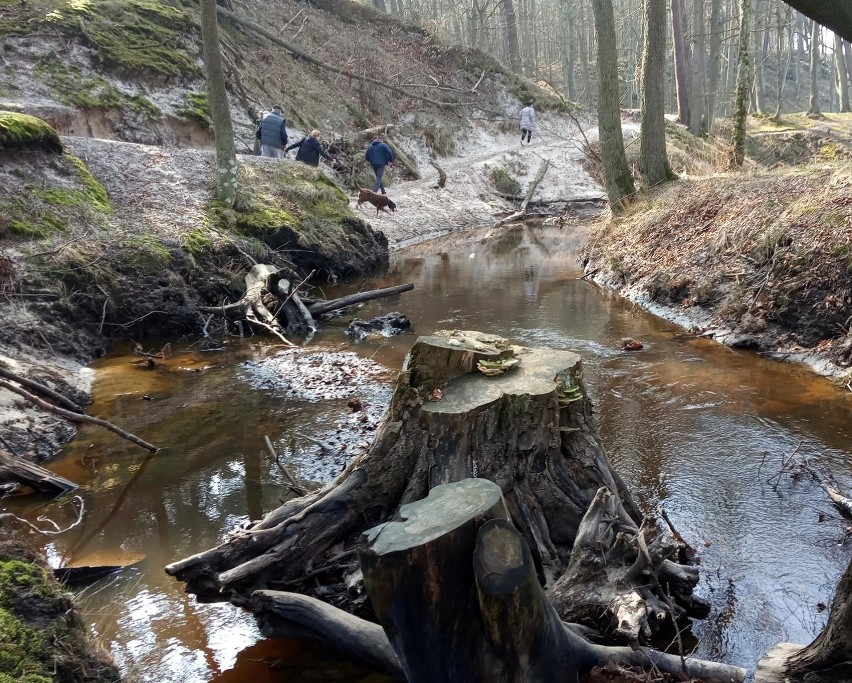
528, 124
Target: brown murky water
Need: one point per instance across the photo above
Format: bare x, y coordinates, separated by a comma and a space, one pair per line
693, 426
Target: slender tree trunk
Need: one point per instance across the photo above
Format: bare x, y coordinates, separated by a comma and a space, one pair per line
513, 50
842, 80
847, 49
743, 87
584, 53
715, 66
653, 156
217, 96
758, 100
814, 110
697, 104
619, 180
680, 62
570, 45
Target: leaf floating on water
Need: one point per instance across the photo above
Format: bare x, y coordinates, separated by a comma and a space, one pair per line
493, 368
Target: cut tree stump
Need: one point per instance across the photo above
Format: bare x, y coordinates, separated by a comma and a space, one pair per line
465, 405
455, 589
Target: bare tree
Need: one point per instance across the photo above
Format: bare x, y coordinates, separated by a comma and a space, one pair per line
814, 109
680, 62
217, 96
741, 97
619, 180
841, 75
653, 157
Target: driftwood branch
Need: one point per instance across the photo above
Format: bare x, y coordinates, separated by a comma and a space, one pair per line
41, 390
14, 468
321, 307
76, 417
294, 485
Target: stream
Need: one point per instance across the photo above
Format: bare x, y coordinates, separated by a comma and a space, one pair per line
693, 426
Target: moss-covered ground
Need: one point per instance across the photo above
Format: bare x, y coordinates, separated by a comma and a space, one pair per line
23, 132
42, 639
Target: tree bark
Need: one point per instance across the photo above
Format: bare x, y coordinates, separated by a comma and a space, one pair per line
619, 180
680, 62
19, 471
220, 112
698, 76
653, 157
741, 96
513, 51
757, 43
528, 429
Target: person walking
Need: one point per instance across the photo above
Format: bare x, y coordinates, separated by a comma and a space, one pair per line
379, 154
310, 149
272, 133
528, 124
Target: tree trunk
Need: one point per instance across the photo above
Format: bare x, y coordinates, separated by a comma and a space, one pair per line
741, 96
847, 50
456, 591
842, 79
513, 50
220, 112
759, 99
680, 62
697, 90
816, 30
452, 416
380, 6
826, 660
653, 157
782, 29
619, 180
715, 64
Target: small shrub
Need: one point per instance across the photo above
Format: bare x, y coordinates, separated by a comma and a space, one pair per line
503, 181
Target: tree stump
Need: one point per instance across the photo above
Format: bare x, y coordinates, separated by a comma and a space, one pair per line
465, 405
456, 591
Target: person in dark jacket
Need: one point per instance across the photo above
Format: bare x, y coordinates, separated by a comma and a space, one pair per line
310, 149
272, 133
379, 154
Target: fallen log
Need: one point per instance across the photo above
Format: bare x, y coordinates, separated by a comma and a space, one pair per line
456, 591
19, 471
520, 214
841, 501
41, 390
466, 404
321, 307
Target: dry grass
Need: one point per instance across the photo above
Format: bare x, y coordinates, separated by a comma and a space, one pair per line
760, 251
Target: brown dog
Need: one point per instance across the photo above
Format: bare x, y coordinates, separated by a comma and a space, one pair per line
380, 201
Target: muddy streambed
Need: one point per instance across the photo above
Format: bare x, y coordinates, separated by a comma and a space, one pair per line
692, 426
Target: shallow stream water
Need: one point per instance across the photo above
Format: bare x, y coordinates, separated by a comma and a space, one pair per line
697, 428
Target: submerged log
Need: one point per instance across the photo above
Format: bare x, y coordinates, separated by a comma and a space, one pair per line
19, 471
320, 307
465, 405
455, 589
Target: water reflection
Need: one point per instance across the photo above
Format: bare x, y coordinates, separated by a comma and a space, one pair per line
690, 425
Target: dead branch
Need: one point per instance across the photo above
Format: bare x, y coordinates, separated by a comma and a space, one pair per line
76, 417
519, 215
41, 389
325, 306
294, 485
442, 175
56, 529
304, 56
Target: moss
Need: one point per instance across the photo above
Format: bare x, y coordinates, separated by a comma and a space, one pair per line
134, 35
197, 241
24, 132
95, 191
196, 108
145, 253
71, 87
440, 140
42, 226
23, 652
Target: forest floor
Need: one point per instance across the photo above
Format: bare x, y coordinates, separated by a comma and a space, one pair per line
758, 259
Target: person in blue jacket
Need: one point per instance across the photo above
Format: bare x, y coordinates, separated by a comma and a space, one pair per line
272, 133
379, 155
310, 149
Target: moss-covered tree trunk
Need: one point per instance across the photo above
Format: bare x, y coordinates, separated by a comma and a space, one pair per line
653, 157
816, 30
619, 180
741, 95
220, 111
